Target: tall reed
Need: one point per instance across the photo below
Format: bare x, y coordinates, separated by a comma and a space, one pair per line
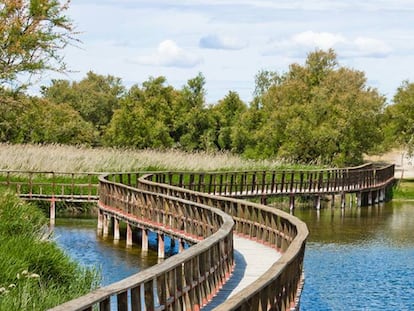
60, 158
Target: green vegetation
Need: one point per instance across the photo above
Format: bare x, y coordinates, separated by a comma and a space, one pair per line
65, 158
404, 190
315, 113
399, 118
34, 273
31, 35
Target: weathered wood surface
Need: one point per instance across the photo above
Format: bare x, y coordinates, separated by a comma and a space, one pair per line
252, 260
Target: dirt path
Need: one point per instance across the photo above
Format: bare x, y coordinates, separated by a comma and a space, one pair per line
404, 164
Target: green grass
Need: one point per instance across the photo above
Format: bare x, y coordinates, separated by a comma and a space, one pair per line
35, 274
404, 190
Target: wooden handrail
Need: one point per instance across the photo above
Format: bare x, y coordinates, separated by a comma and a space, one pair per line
203, 267
210, 201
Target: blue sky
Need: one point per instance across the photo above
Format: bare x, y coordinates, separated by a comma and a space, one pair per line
230, 41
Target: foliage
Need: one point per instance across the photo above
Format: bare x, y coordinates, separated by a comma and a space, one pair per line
144, 118
227, 111
193, 128
32, 32
29, 119
399, 118
316, 112
34, 273
95, 97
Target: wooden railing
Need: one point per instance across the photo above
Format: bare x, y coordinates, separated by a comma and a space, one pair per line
193, 206
59, 186
278, 288
281, 182
242, 184
183, 281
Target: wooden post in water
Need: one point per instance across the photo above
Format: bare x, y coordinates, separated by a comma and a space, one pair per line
128, 235
105, 225
318, 202
116, 229
52, 211
100, 221
376, 196
370, 198
144, 240
359, 199
382, 195
161, 245
343, 200
292, 202
180, 245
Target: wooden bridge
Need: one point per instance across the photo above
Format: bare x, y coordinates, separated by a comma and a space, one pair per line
202, 210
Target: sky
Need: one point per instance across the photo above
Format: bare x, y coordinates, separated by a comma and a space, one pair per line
230, 41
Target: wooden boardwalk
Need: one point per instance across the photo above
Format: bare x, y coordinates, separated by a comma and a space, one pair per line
252, 260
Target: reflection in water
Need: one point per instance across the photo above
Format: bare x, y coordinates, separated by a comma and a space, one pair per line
359, 258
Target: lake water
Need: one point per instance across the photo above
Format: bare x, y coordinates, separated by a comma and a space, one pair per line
359, 258
356, 258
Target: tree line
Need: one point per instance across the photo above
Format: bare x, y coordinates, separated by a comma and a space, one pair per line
316, 112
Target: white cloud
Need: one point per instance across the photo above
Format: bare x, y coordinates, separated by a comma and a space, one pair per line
169, 54
300, 44
369, 47
221, 43
322, 40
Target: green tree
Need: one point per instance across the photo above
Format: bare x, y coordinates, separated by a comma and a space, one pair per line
227, 112
319, 112
32, 33
95, 97
26, 119
193, 122
144, 119
399, 117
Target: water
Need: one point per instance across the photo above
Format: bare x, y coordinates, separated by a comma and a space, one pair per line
356, 258
359, 258
79, 239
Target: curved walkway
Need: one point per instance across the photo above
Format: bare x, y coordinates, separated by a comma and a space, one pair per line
252, 260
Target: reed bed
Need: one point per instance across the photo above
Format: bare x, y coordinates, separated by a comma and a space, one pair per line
62, 158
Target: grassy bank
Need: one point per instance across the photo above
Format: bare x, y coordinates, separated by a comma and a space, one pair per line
34, 273
404, 190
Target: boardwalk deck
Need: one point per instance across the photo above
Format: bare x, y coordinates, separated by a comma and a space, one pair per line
252, 260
